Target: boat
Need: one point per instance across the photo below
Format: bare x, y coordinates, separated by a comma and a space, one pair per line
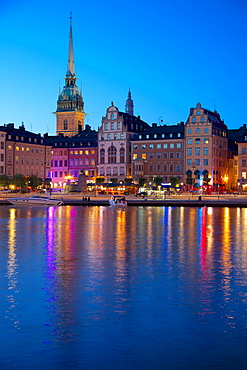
35, 201
118, 201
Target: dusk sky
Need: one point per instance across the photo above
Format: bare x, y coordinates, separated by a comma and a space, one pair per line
172, 55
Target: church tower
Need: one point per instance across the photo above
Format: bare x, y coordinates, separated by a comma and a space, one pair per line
129, 106
70, 106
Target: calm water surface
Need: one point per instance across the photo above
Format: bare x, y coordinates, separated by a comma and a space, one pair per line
149, 288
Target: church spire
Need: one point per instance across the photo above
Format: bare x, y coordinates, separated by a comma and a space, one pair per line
71, 66
70, 106
129, 107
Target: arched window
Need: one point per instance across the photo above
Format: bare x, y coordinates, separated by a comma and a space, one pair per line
112, 154
102, 156
65, 124
115, 170
122, 155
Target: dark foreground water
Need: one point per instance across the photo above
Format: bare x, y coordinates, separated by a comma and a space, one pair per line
149, 288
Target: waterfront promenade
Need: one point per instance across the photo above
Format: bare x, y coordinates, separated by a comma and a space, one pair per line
185, 200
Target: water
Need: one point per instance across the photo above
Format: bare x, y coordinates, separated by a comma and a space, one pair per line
146, 288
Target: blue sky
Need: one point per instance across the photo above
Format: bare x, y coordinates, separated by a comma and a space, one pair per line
172, 54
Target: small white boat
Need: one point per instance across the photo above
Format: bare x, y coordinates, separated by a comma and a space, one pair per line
35, 201
118, 201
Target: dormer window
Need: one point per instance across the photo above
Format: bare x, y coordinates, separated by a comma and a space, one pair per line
112, 116
155, 136
198, 113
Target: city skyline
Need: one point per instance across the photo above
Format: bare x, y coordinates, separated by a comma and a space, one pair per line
171, 56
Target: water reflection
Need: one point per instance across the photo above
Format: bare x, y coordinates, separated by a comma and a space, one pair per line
12, 270
131, 287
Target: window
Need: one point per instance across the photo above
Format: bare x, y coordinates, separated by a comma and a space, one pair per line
122, 136
112, 154
155, 136
189, 151
178, 168
171, 146
178, 145
135, 146
151, 146
112, 116
151, 156
108, 136
165, 155
102, 156
102, 171
202, 119
115, 136
165, 167
197, 162
115, 171
171, 155
65, 124
178, 155
112, 128
189, 162
122, 155
143, 146
158, 146
194, 119
158, 168
198, 130
205, 151
206, 140
206, 130
198, 151
144, 156
243, 150
189, 130
158, 155
134, 156
165, 146
205, 162
2, 145
122, 171
197, 141
118, 126
102, 137
147, 136
151, 168
171, 167
243, 162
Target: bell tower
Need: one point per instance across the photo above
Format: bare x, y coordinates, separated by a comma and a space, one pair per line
70, 106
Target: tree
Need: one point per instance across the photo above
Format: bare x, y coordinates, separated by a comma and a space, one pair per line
4, 181
157, 180
174, 182
19, 181
34, 181
142, 181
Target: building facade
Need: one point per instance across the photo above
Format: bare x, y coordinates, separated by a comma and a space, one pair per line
159, 152
114, 146
2, 152
25, 153
70, 155
70, 106
206, 148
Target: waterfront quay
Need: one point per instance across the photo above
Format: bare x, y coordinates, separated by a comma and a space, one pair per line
184, 200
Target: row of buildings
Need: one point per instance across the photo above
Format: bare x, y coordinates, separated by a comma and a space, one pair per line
199, 151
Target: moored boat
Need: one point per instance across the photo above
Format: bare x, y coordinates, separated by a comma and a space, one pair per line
118, 201
35, 201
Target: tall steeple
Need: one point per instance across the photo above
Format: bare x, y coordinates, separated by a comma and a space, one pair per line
129, 106
70, 106
71, 63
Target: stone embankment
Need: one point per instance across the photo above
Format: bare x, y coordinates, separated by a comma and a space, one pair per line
173, 201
